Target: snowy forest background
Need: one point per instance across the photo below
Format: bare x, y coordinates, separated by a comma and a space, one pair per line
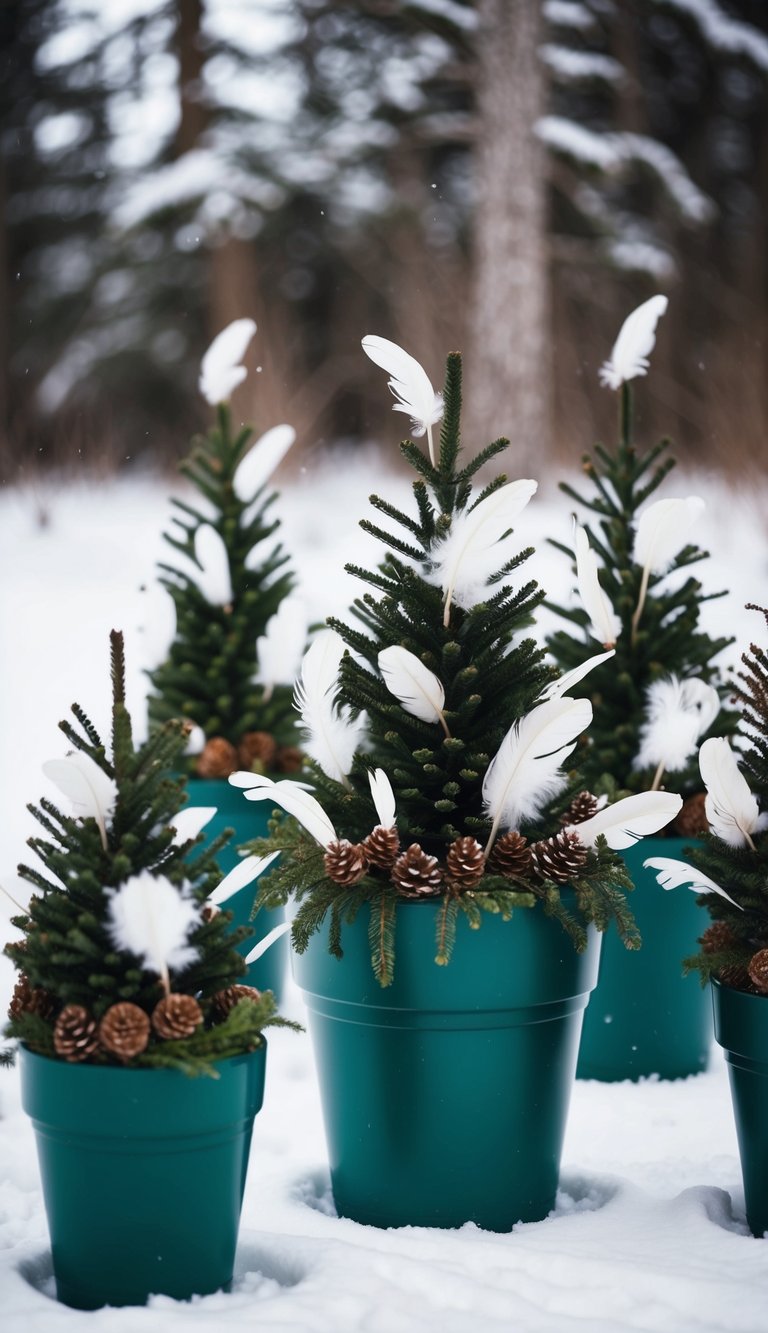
338, 168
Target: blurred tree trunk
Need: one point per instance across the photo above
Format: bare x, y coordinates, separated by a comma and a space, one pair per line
508, 360
188, 44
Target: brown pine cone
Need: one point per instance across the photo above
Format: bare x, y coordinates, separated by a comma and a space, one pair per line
465, 863
256, 751
559, 858
736, 976
210, 911
176, 1017
692, 819
381, 847
345, 862
289, 759
124, 1030
511, 856
75, 1035
218, 759
758, 971
583, 806
29, 999
415, 874
225, 1000
716, 937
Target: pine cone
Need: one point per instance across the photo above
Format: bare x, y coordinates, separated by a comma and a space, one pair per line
381, 847
224, 1001
75, 1037
124, 1030
289, 759
29, 999
511, 856
692, 819
415, 874
758, 971
736, 976
217, 760
716, 937
256, 751
345, 862
176, 1017
559, 858
583, 806
465, 863
210, 911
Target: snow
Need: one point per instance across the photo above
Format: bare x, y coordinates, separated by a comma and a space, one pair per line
580, 65
649, 1231
723, 32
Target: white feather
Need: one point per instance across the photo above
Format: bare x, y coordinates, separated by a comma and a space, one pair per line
256, 468
220, 369
636, 340
565, 683
279, 650
677, 713
331, 734
467, 556
245, 872
148, 916
662, 531
409, 384
293, 798
212, 577
673, 874
190, 821
626, 822
605, 625
417, 688
731, 808
525, 772
195, 741
261, 948
158, 627
93, 792
383, 797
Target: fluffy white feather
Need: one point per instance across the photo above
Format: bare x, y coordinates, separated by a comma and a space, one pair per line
293, 798
331, 734
256, 468
245, 872
409, 384
212, 577
636, 340
465, 558
220, 369
274, 935
383, 797
673, 874
677, 713
605, 625
565, 683
525, 772
91, 791
418, 689
148, 916
626, 822
731, 808
279, 650
190, 821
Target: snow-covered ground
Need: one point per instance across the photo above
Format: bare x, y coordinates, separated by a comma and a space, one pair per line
649, 1231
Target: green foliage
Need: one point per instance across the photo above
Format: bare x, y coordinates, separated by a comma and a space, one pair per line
67, 950
208, 675
669, 639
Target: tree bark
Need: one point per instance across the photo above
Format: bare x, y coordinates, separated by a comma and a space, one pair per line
509, 387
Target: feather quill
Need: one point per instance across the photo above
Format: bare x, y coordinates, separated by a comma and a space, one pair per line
417, 688
149, 917
92, 792
565, 683
466, 557
220, 369
525, 772
188, 822
274, 935
409, 384
383, 797
677, 713
730, 807
605, 625
212, 577
673, 874
636, 340
279, 649
627, 821
332, 735
245, 872
255, 469
293, 798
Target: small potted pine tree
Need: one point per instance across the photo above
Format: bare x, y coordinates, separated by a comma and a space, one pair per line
653, 701
129, 985
730, 873
239, 635
444, 828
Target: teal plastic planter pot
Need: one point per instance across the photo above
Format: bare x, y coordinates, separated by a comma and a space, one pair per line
445, 1095
143, 1173
741, 1028
645, 1017
249, 819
